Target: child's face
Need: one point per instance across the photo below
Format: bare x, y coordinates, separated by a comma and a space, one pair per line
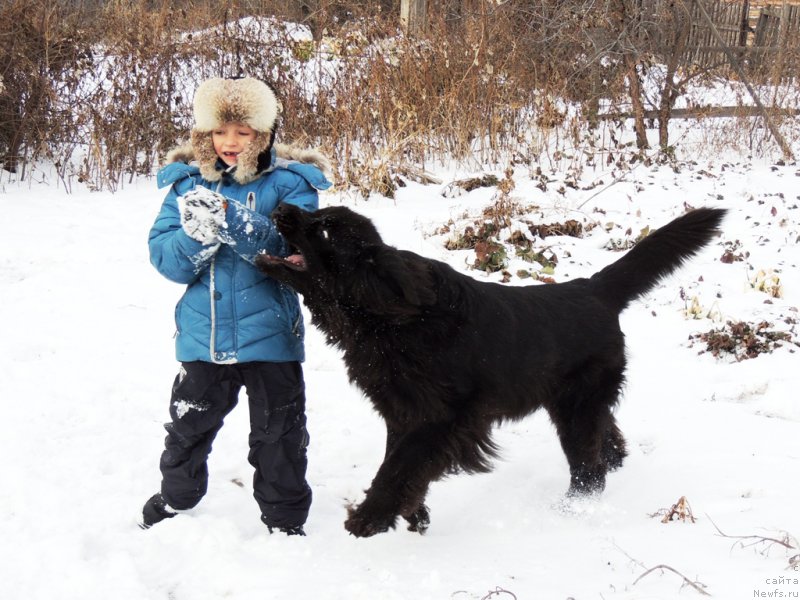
230, 139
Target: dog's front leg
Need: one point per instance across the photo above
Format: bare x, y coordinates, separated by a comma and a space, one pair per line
420, 518
413, 461
376, 514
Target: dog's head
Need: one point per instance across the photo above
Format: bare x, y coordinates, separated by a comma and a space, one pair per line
344, 259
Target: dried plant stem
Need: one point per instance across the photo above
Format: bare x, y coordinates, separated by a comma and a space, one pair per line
686, 581
700, 587
756, 539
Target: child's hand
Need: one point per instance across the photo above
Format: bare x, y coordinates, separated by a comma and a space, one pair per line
202, 214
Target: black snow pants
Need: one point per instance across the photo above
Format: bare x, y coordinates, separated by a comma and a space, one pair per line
202, 396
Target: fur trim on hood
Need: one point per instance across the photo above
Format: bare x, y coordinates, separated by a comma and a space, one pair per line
187, 153
247, 162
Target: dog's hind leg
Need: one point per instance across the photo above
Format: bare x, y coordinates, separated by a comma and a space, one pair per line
588, 432
613, 450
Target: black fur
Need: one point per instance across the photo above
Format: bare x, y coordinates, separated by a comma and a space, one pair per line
444, 357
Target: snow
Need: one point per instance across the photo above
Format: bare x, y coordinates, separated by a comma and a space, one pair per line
87, 364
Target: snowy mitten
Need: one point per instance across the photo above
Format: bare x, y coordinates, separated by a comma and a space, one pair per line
202, 214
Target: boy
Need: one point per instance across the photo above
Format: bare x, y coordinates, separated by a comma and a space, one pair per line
236, 327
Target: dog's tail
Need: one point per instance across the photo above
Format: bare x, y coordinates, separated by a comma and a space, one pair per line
656, 256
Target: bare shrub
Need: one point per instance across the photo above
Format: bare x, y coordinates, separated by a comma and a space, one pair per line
129, 117
39, 44
491, 83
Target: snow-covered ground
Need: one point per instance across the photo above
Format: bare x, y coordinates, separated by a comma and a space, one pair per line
87, 363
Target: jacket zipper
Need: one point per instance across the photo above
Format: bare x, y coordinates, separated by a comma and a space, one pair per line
296, 325
212, 293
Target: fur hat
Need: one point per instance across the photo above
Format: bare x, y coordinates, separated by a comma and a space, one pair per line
246, 100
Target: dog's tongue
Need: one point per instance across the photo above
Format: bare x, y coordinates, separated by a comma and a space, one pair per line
297, 260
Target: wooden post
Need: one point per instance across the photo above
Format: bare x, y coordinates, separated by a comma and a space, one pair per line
414, 16
744, 24
773, 129
783, 42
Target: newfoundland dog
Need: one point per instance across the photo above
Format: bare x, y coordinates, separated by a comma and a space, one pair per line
444, 357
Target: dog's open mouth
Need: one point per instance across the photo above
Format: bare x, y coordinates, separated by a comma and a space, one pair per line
296, 262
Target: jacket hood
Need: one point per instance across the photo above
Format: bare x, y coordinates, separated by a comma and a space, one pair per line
281, 155
185, 153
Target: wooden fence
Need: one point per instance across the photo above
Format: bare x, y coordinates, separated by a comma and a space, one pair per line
775, 24
731, 21
757, 34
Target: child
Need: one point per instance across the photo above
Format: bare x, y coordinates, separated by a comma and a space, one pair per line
236, 327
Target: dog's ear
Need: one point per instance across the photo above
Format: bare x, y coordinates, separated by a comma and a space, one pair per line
392, 283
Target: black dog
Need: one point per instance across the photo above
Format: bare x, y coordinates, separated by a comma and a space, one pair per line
444, 357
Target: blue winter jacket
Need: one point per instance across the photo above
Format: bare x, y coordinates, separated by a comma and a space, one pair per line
230, 311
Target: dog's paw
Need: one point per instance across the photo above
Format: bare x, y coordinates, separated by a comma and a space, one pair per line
613, 452
361, 522
587, 480
419, 520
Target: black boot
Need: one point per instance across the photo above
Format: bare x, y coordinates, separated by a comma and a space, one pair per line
155, 509
287, 529
298, 530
